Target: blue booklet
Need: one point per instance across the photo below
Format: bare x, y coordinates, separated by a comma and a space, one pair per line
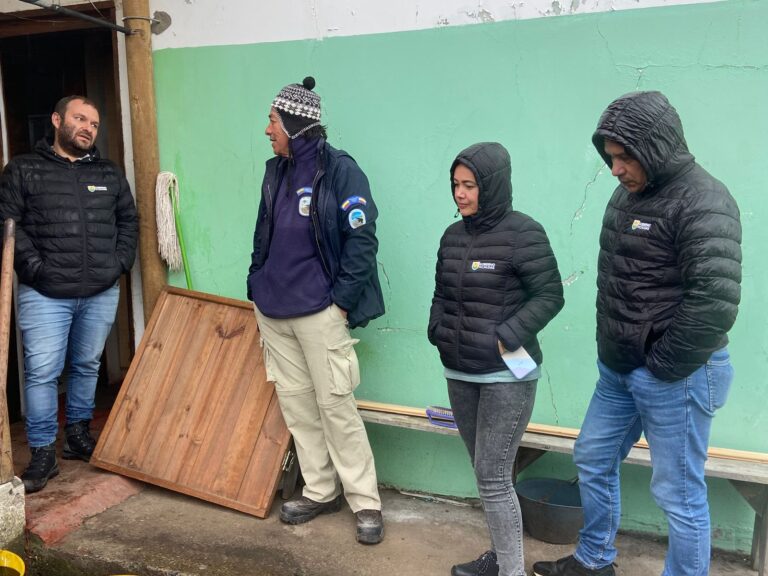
519, 362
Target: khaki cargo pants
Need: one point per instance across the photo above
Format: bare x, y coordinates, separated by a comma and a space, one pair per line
312, 361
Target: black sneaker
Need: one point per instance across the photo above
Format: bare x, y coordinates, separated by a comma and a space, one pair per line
41, 468
486, 565
304, 509
78, 444
370, 526
569, 566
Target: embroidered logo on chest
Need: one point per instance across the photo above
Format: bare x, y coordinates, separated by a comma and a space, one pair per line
639, 225
305, 199
477, 265
93, 188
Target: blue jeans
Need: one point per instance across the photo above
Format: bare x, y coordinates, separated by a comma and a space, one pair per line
676, 418
51, 328
491, 419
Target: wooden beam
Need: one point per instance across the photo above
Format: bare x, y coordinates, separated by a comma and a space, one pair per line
145, 149
561, 432
6, 286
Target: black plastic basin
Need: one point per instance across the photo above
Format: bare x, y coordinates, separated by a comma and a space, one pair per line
551, 509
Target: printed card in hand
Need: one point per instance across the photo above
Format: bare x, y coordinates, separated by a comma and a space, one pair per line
519, 362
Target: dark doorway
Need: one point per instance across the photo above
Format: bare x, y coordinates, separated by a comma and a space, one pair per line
43, 57
40, 69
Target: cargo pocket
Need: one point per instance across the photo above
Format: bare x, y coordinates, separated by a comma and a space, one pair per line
345, 369
268, 363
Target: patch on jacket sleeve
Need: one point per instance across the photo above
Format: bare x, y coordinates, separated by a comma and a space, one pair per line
353, 201
357, 218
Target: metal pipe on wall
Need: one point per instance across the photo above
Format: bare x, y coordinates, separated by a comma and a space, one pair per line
62, 10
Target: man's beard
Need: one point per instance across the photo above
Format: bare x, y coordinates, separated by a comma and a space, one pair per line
66, 137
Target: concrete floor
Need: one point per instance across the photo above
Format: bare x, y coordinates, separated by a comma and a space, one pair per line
88, 522
162, 531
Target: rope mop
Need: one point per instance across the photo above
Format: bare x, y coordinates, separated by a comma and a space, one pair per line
169, 237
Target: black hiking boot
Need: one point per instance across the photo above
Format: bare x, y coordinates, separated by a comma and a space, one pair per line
304, 509
78, 444
485, 565
41, 468
569, 566
370, 526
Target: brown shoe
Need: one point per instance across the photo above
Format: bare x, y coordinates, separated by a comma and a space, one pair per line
370, 526
304, 509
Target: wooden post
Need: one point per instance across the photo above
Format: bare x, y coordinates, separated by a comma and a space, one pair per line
6, 285
145, 150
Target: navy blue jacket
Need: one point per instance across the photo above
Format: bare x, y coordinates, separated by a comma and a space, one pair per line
343, 225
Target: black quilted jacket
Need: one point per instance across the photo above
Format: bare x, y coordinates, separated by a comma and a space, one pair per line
669, 269
76, 223
496, 278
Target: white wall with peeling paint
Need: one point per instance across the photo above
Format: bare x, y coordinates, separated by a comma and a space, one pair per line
206, 23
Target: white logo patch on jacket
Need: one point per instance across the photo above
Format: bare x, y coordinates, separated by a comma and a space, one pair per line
357, 218
477, 265
305, 199
638, 225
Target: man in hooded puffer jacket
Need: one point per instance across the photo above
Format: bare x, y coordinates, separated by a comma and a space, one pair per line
669, 274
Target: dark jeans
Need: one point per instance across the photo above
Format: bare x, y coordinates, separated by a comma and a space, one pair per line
491, 420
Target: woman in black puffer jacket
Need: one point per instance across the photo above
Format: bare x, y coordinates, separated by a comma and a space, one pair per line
496, 286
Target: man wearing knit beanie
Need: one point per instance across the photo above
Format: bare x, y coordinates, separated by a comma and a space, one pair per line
313, 276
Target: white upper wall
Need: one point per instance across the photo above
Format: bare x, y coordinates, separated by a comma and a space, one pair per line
212, 22
216, 22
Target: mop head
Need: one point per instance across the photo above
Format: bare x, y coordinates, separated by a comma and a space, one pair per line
166, 195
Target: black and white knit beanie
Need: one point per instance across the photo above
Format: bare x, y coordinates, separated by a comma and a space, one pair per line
298, 107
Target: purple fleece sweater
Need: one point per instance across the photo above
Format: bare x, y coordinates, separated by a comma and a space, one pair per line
292, 281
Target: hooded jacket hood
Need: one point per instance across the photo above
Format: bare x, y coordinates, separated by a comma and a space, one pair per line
649, 129
491, 165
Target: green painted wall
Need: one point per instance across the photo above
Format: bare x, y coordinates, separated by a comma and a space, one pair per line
404, 104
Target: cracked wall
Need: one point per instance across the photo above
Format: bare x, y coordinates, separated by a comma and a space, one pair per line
203, 23
404, 103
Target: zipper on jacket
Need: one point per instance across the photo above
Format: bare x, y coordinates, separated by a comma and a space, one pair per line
268, 215
84, 263
460, 313
316, 220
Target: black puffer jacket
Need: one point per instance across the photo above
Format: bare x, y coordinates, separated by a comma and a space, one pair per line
669, 269
76, 223
497, 278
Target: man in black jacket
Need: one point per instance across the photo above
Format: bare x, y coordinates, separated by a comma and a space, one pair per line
76, 231
313, 276
669, 275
